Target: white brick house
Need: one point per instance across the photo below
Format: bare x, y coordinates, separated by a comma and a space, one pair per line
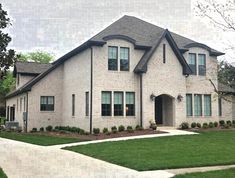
128, 74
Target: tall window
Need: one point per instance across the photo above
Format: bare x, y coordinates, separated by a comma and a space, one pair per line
87, 104
130, 104
118, 103
73, 104
24, 103
220, 106
17, 104
112, 58
124, 59
207, 105
201, 64
47, 103
164, 53
21, 100
192, 63
189, 105
106, 103
197, 105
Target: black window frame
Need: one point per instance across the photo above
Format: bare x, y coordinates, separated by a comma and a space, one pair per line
73, 104
202, 68
109, 59
87, 103
47, 107
130, 110
106, 109
121, 66
193, 67
118, 109
220, 106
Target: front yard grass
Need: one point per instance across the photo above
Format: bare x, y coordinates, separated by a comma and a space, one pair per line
37, 139
2, 174
227, 173
205, 149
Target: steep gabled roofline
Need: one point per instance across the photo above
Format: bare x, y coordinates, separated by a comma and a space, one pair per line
141, 67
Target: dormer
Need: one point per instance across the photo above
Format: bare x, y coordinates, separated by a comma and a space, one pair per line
26, 71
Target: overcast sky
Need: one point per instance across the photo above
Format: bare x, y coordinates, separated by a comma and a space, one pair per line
58, 26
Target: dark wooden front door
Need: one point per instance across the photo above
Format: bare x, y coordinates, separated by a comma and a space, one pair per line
158, 110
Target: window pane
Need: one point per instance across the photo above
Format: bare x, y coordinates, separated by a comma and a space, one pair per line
43, 100
197, 105
130, 103
106, 103
192, 63
50, 100
220, 106
124, 59
112, 58
47, 103
87, 103
189, 105
201, 64
207, 105
73, 104
118, 104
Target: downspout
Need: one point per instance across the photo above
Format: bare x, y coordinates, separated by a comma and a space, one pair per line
26, 119
141, 101
91, 90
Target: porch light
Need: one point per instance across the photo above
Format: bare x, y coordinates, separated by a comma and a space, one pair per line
180, 97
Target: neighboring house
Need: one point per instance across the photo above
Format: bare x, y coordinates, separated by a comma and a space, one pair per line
128, 74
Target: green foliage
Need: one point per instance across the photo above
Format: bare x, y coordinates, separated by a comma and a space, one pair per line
38, 56
34, 130
199, 125
121, 128
41, 129
49, 128
221, 122
7, 57
130, 129
96, 131
105, 130
229, 122
211, 124
193, 125
138, 127
226, 74
7, 84
114, 129
205, 125
184, 125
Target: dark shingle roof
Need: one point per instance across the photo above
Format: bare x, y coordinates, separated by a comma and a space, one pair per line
31, 68
142, 34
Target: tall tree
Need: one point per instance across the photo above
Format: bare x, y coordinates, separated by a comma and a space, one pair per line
7, 57
37, 56
226, 74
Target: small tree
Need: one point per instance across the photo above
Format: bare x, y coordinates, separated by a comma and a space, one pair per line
38, 56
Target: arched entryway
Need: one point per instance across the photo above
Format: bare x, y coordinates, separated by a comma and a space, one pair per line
164, 110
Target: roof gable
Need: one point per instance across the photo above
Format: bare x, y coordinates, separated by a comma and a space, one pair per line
141, 67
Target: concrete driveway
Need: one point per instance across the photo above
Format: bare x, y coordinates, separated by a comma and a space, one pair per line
22, 160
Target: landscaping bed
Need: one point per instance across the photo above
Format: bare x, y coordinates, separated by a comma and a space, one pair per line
227, 173
204, 149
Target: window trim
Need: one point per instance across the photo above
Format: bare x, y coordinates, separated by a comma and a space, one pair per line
128, 58
47, 104
111, 103
116, 58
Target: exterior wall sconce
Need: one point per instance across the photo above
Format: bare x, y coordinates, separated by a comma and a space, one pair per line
180, 97
152, 97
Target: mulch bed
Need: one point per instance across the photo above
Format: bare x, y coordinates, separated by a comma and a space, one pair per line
101, 136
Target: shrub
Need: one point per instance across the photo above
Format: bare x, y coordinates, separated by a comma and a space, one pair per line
184, 125
229, 123
114, 129
226, 126
130, 129
216, 124
221, 122
87, 133
42, 129
49, 128
57, 127
108, 133
199, 125
96, 131
34, 130
138, 127
105, 130
233, 122
81, 132
211, 124
205, 125
193, 125
121, 128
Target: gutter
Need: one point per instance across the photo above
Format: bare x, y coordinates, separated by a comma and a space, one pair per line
27, 109
141, 101
91, 90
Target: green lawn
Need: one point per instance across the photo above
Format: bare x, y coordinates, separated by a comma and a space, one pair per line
228, 173
2, 174
38, 139
205, 149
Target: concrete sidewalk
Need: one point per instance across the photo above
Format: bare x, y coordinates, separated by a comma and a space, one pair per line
168, 133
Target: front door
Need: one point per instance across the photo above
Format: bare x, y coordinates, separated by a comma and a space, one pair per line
12, 113
158, 110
